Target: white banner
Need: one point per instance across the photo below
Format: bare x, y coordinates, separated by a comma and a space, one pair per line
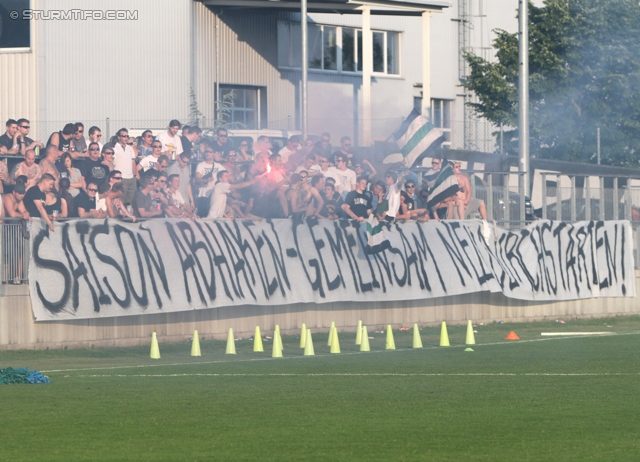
104, 268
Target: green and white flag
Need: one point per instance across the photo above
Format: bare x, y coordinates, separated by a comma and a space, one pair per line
417, 138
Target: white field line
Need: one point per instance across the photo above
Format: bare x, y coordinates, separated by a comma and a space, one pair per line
554, 334
374, 374
143, 366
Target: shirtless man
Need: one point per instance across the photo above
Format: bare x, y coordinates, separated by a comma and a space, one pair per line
308, 198
48, 164
13, 205
28, 168
465, 204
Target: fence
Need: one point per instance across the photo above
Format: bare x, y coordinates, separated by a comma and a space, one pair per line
475, 134
15, 251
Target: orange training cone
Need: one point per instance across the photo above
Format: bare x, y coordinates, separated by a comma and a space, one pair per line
512, 336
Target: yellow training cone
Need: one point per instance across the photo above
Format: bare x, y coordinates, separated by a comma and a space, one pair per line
471, 339
276, 351
417, 341
155, 350
444, 336
359, 333
335, 344
257, 341
303, 335
364, 345
195, 344
277, 334
333, 326
231, 344
390, 344
308, 344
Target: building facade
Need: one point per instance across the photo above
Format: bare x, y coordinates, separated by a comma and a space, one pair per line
165, 59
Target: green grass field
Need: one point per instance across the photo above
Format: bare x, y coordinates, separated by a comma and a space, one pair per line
535, 399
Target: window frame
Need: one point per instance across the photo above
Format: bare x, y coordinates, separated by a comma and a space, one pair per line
28, 49
357, 34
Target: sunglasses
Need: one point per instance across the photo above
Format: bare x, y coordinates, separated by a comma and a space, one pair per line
22, 126
108, 153
209, 151
409, 186
162, 181
123, 136
79, 131
435, 163
155, 146
117, 178
98, 136
92, 190
94, 149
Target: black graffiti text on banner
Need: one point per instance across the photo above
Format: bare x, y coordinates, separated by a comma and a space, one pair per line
104, 268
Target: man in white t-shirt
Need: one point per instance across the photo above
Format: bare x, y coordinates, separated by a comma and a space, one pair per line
124, 160
150, 161
394, 184
292, 147
345, 177
206, 175
218, 203
171, 142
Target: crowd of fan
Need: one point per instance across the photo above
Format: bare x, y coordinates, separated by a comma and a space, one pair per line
152, 176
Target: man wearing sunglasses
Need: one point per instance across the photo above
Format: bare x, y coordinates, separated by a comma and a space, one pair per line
85, 202
124, 160
78, 142
92, 169
24, 142
223, 144
206, 172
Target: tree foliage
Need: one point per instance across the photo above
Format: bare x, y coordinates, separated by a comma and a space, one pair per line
584, 66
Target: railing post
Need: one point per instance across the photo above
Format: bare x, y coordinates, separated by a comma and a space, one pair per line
522, 193
587, 198
616, 199
573, 198
558, 198
490, 197
602, 199
505, 198
627, 200
544, 196
107, 130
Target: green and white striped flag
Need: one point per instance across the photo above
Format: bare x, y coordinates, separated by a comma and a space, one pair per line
417, 138
445, 185
377, 240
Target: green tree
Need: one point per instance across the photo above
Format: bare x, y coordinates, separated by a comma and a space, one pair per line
584, 65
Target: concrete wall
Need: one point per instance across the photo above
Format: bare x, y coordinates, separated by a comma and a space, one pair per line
19, 331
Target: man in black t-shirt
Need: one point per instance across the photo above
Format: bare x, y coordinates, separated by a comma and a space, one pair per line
357, 204
191, 136
92, 169
9, 141
85, 202
36, 197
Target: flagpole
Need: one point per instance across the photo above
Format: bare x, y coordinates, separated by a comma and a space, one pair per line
523, 92
305, 68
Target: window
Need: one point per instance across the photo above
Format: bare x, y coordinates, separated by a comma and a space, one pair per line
241, 106
337, 49
14, 33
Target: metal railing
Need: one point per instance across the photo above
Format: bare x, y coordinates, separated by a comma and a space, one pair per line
15, 251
